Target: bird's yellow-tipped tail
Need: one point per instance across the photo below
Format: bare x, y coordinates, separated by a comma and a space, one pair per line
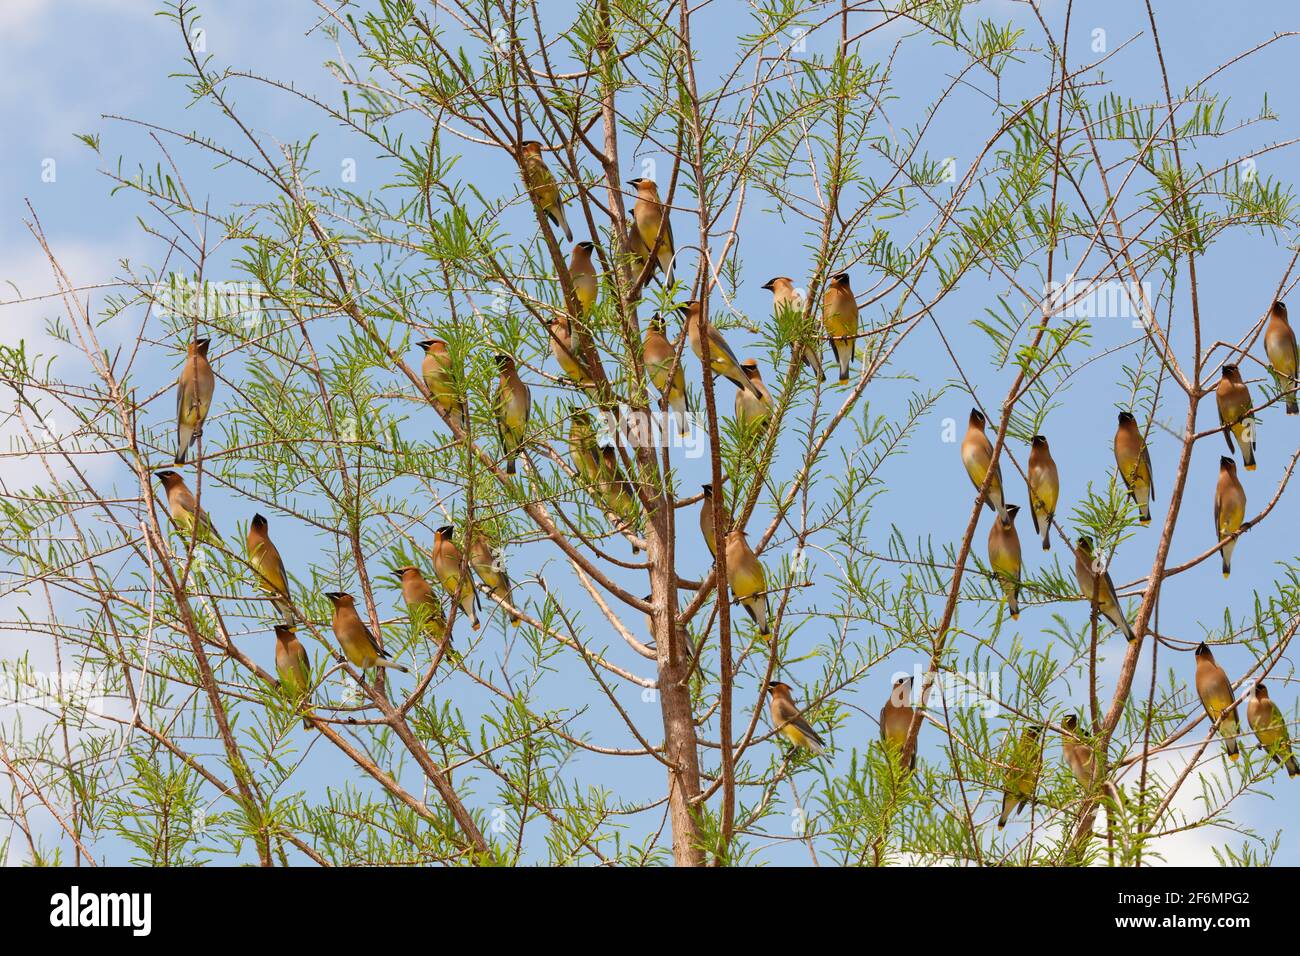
1292, 406
392, 665
1292, 767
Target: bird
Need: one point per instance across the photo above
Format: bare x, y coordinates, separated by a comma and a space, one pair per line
1021, 775
706, 519
541, 184
1097, 587
266, 561
840, 316
446, 566
183, 508
787, 301
638, 256
1270, 728
569, 348
582, 272
751, 410
789, 722
1079, 757
617, 493
491, 571
355, 638
896, 720
1215, 691
422, 605
653, 228
1044, 488
722, 360
193, 397
514, 401
583, 452
1004, 558
976, 454
665, 371
1283, 359
747, 580
1134, 461
1229, 509
292, 667
1233, 399
436, 370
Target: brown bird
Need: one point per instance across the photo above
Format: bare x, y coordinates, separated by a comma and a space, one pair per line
355, 638
789, 722
422, 605
1283, 359
293, 668
1025, 762
722, 360
1044, 488
1233, 398
665, 370
1215, 691
446, 565
541, 184
896, 720
514, 402
184, 509
840, 316
193, 397
1004, 559
747, 579
751, 410
1270, 728
653, 228
582, 271
266, 562
706, 520
1097, 587
1134, 463
1078, 755
787, 302
976, 455
491, 570
436, 370
569, 349
1229, 509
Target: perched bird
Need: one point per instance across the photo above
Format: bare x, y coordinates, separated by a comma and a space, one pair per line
569, 348
1024, 764
446, 565
840, 316
653, 227
1270, 728
976, 454
789, 722
1134, 463
617, 493
665, 370
1097, 587
1044, 488
193, 396
183, 508
1233, 398
583, 452
582, 272
422, 605
786, 300
354, 637
266, 561
292, 667
541, 184
638, 254
1215, 691
1004, 558
749, 409
514, 402
706, 520
1283, 359
1229, 509
491, 571
1078, 755
747, 580
896, 720
436, 370
722, 359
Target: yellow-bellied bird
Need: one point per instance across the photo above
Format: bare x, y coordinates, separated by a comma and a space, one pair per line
649, 215
422, 605
1233, 398
183, 508
1270, 728
722, 359
747, 580
1024, 763
789, 722
292, 667
446, 565
976, 454
514, 402
1097, 587
1044, 488
896, 720
1004, 558
436, 371
1215, 691
266, 562
193, 396
568, 348
786, 301
582, 272
1283, 359
660, 359
706, 519
840, 316
1078, 755
541, 184
617, 493
1229, 509
354, 637
748, 408
491, 571
1134, 462
583, 451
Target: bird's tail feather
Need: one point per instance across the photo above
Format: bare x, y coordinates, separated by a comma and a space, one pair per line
1292, 766
392, 665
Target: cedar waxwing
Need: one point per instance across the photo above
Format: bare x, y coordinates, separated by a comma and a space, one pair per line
193, 397
582, 447
436, 372
422, 605
514, 401
446, 565
1279, 345
638, 256
183, 507
748, 408
1134, 463
1229, 509
541, 184
840, 316
896, 720
266, 562
706, 520
583, 273
354, 637
292, 667
786, 299
660, 359
1097, 587
1004, 559
721, 358
747, 580
1044, 488
617, 493
789, 722
1078, 755
1216, 695
976, 453
1270, 728
1233, 398
491, 571
568, 348
648, 214
1025, 762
